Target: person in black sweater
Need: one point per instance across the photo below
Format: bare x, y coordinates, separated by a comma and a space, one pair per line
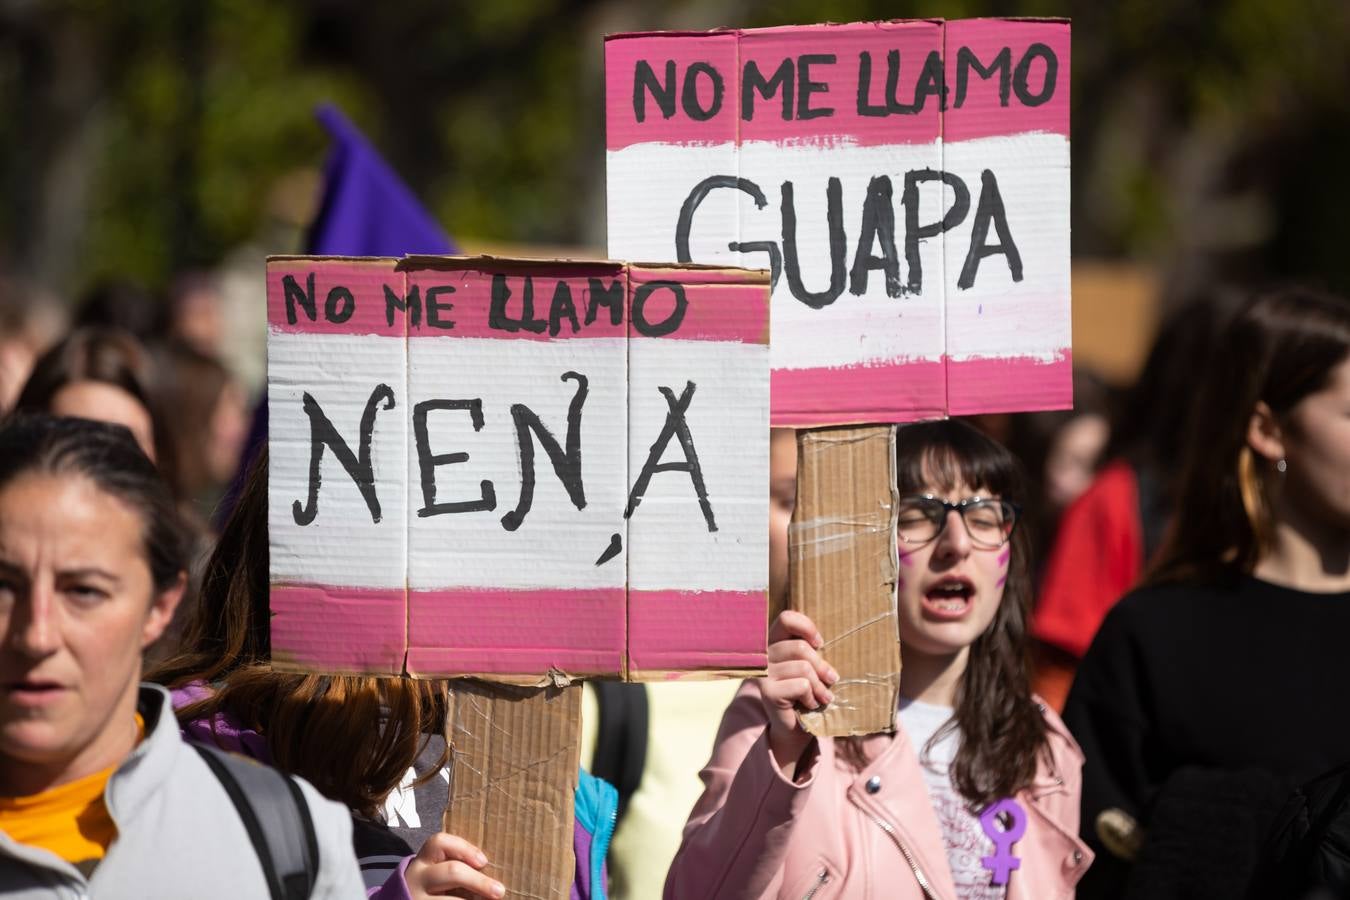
1216, 687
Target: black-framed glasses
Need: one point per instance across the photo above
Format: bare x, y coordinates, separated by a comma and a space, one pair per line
989, 522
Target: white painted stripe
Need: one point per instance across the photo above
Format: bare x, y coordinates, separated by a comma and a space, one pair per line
649, 183
557, 544
669, 544
342, 545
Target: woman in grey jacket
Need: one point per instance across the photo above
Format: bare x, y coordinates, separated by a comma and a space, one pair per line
99, 795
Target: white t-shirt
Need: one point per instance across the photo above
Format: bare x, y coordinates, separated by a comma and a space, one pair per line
967, 844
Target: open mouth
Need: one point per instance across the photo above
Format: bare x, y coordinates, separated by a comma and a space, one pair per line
950, 598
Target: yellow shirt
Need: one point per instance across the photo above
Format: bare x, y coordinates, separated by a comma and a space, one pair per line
682, 721
71, 821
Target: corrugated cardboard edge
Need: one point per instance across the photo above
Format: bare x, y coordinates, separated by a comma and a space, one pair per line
624, 35
513, 775
330, 257
841, 547
522, 264
660, 675
556, 678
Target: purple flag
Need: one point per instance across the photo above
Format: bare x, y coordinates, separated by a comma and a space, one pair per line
367, 210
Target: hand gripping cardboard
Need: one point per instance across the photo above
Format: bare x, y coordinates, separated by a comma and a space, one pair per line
514, 757
841, 546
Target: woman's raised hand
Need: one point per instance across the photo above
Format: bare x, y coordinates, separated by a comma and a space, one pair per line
798, 678
447, 864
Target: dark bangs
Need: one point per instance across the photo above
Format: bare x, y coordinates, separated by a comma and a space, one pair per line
947, 452
1001, 727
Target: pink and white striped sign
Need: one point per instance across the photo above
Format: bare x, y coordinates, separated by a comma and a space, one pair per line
517, 469
906, 182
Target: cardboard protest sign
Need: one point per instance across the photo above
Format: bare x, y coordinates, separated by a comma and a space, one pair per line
906, 182
514, 758
844, 569
524, 471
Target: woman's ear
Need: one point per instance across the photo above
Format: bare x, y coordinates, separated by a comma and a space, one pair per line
1264, 434
162, 608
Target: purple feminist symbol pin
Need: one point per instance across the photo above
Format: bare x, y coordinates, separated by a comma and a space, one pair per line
1003, 861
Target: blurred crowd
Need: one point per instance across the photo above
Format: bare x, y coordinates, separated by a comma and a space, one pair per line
1122, 626
1211, 492
123, 354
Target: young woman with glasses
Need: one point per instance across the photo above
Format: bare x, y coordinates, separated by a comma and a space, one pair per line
976, 794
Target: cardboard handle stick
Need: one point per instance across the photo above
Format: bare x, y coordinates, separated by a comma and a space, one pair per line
842, 552
513, 772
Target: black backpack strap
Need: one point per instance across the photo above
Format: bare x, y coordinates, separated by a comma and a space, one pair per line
621, 738
276, 817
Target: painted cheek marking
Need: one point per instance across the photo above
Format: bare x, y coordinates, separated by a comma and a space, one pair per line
1003, 564
906, 559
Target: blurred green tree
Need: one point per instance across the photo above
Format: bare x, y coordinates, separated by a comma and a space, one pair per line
140, 138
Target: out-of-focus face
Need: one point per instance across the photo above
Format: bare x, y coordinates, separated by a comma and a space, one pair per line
199, 322
103, 402
782, 500
1317, 451
949, 589
1072, 460
77, 606
16, 364
229, 430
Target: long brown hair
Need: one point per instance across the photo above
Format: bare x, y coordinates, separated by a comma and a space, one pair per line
1279, 348
1002, 729
353, 737
108, 356
195, 384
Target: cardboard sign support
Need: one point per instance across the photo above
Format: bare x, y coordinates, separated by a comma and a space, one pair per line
843, 571
514, 758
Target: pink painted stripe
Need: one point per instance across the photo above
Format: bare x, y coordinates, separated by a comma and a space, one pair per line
841, 82
716, 51
1010, 384
730, 54
723, 311
888, 392
686, 630
539, 305
829, 58
461, 631
982, 113
322, 628
350, 290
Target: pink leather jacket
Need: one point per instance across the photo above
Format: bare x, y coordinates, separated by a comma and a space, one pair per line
856, 835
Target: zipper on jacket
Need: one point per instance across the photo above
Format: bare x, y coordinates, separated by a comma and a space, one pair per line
821, 880
904, 851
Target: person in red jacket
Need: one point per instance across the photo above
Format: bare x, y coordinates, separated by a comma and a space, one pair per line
975, 796
1108, 534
